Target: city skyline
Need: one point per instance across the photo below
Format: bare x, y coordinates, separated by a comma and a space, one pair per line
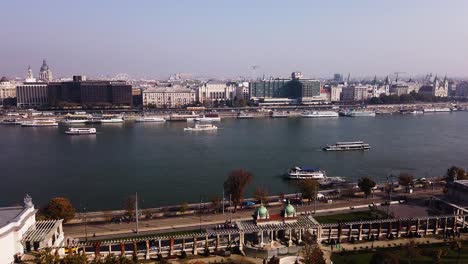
225, 40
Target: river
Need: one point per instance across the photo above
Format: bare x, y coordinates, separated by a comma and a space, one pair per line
167, 165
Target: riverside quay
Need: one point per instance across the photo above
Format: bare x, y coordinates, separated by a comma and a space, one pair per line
267, 235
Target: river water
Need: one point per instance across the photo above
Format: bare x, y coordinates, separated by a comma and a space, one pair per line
167, 165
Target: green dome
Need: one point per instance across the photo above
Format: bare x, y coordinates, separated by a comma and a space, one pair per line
289, 210
262, 212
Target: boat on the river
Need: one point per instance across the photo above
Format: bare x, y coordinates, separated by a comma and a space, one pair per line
437, 110
307, 173
201, 127
211, 117
76, 118
80, 131
40, 122
319, 114
276, 114
244, 115
150, 119
104, 119
302, 173
344, 146
11, 121
360, 113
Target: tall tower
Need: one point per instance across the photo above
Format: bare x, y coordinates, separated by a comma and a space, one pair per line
45, 74
30, 76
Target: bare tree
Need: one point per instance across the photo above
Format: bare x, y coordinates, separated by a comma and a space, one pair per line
235, 185
312, 254
216, 203
406, 180
129, 206
261, 195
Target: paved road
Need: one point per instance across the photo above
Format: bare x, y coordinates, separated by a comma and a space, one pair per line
194, 221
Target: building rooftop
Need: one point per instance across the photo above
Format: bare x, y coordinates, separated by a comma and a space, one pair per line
9, 214
462, 182
176, 89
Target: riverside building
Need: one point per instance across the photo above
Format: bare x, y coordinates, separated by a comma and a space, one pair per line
7, 89
286, 91
168, 97
436, 88
90, 93
216, 91
20, 232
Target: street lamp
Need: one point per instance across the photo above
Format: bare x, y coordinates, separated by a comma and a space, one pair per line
390, 184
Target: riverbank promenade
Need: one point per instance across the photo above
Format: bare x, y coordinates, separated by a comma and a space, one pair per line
190, 222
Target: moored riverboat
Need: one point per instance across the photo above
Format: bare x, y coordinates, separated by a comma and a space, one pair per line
40, 122
316, 114
244, 115
150, 119
80, 131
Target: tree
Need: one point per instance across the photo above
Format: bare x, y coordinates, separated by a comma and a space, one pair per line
75, 259
375, 100
183, 207
235, 185
406, 180
216, 203
45, 256
129, 206
437, 254
455, 173
312, 254
59, 208
366, 185
383, 258
309, 189
261, 194
410, 250
457, 245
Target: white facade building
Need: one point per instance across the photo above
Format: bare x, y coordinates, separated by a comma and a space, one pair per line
19, 232
242, 91
170, 97
335, 93
211, 91
7, 89
31, 95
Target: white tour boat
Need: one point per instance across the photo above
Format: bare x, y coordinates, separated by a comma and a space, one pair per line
343, 146
437, 110
111, 119
40, 122
320, 114
76, 118
360, 113
243, 115
201, 127
303, 173
80, 131
275, 114
208, 118
150, 119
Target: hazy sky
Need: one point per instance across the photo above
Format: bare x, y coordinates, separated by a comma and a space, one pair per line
225, 38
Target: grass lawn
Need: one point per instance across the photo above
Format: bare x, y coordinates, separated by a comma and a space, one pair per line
423, 254
350, 217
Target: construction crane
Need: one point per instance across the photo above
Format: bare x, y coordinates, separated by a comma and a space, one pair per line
398, 74
254, 70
